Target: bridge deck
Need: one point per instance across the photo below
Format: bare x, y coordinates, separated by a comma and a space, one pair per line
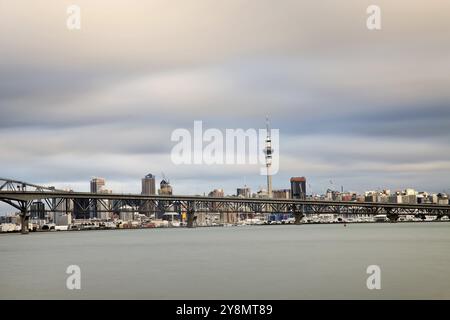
39, 195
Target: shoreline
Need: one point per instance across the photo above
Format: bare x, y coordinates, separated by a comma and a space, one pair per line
222, 226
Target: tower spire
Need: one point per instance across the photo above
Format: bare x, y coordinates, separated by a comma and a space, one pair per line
268, 151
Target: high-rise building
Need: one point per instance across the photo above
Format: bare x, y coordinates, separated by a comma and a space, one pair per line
298, 188
149, 185
97, 185
217, 193
165, 188
244, 192
148, 188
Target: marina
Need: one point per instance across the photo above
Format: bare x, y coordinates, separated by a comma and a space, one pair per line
85, 225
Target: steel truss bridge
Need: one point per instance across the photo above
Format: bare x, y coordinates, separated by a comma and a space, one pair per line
22, 195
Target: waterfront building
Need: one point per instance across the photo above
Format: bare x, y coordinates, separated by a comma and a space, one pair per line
62, 219
126, 216
127, 213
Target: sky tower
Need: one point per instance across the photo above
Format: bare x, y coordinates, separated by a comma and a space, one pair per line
268, 151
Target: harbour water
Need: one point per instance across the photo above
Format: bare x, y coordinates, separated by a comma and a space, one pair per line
251, 262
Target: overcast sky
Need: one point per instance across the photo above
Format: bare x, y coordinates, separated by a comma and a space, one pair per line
365, 109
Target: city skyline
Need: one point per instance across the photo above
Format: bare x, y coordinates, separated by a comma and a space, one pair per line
352, 106
147, 186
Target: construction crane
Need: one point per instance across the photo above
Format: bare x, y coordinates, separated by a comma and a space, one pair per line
164, 177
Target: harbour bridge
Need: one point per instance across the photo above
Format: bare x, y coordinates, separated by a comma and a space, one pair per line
21, 195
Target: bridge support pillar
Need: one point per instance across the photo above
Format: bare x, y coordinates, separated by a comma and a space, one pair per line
24, 220
392, 217
191, 219
298, 215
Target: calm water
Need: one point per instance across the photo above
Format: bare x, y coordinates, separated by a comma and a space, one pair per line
267, 262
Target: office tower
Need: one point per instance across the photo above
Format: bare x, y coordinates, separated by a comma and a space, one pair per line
97, 185
244, 192
148, 188
149, 185
217, 193
298, 188
165, 188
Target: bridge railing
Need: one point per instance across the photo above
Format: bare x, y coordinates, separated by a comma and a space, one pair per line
16, 185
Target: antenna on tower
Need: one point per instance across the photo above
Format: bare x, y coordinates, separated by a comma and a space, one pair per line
268, 151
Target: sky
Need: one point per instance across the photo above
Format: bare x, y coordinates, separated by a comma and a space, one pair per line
358, 108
